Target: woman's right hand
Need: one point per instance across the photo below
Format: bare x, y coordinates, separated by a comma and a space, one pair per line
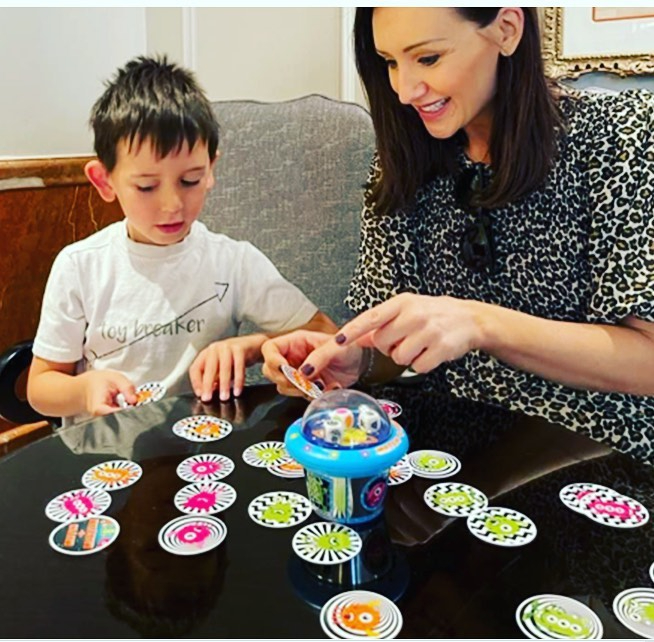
341, 367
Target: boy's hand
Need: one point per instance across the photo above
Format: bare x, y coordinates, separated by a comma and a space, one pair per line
222, 365
101, 388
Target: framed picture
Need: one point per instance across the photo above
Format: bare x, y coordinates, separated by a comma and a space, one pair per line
619, 40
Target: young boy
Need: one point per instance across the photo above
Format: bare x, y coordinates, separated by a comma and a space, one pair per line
143, 299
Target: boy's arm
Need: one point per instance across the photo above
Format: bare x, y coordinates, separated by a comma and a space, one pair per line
319, 322
54, 390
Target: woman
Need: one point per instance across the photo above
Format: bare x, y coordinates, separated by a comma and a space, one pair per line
507, 233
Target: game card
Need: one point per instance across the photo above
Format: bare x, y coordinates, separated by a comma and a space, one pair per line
604, 505
400, 472
146, 393
326, 543
360, 615
502, 526
209, 467
265, 453
303, 384
205, 498
202, 428
391, 408
112, 475
189, 535
610, 508
455, 500
84, 536
556, 617
634, 608
286, 467
77, 504
433, 464
279, 509
573, 495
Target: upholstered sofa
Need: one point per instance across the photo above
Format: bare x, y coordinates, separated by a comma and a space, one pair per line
289, 180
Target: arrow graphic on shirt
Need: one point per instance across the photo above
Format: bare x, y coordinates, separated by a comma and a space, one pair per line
219, 286
221, 291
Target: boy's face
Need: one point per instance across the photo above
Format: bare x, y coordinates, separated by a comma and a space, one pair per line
160, 197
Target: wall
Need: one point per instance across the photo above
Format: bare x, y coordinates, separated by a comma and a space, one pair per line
56, 59
281, 53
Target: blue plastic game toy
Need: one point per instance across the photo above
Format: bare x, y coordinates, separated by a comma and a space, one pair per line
347, 444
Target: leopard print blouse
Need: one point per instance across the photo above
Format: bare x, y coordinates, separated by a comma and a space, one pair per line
580, 248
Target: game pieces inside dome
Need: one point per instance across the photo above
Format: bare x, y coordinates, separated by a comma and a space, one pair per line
345, 419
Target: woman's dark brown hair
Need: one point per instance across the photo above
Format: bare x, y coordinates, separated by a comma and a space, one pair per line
525, 122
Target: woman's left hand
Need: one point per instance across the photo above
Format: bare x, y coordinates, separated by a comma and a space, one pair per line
419, 331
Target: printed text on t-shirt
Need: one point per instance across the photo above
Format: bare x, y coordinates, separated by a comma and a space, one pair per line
142, 328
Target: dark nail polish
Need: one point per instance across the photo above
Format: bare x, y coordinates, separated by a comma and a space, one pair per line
307, 370
340, 338
320, 384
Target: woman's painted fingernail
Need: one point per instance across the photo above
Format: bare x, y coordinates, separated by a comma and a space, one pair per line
340, 338
320, 384
307, 370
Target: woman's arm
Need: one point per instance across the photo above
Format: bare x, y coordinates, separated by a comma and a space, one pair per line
607, 358
424, 331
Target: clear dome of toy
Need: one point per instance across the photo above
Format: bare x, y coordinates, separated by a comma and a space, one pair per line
345, 419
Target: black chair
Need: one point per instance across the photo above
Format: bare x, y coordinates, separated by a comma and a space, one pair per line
13, 363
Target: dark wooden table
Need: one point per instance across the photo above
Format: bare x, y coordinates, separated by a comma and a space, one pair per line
447, 583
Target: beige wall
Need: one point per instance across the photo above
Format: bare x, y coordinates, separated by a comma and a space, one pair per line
269, 54
52, 65
56, 59
261, 53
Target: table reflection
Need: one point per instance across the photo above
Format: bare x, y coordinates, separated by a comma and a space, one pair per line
158, 594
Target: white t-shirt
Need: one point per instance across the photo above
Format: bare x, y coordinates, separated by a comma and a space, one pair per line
147, 310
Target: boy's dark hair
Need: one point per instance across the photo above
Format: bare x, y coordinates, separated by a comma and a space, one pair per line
150, 98
526, 123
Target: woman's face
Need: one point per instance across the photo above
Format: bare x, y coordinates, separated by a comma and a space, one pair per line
442, 65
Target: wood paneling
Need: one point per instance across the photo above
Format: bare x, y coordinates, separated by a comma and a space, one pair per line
50, 172
35, 223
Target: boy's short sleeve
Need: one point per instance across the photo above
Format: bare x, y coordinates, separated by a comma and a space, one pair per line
60, 335
265, 298
622, 201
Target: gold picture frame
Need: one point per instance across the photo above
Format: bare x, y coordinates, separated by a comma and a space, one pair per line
562, 61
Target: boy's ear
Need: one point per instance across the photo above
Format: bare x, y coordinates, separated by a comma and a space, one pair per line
97, 173
215, 158
212, 178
